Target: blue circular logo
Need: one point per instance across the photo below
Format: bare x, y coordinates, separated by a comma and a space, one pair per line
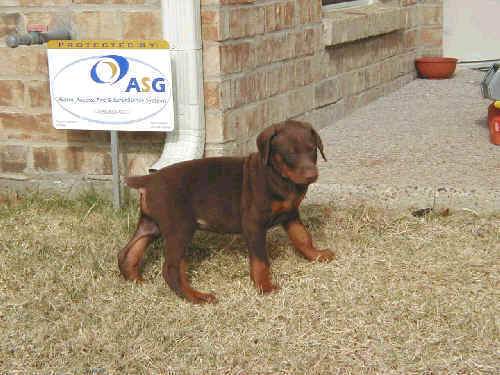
109, 69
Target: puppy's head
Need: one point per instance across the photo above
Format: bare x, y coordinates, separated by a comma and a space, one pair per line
291, 148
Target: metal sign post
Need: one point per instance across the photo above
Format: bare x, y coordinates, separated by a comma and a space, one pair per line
116, 171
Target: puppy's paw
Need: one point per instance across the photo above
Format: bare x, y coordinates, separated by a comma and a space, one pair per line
140, 280
325, 256
202, 298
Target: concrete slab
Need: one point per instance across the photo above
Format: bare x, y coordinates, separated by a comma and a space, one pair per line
424, 145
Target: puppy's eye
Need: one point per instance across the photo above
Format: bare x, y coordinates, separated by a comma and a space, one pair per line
290, 158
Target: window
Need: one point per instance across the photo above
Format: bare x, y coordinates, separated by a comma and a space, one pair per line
339, 4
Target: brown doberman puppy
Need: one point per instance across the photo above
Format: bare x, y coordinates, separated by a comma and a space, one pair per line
245, 195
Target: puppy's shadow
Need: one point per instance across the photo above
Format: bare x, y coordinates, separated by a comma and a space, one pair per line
203, 246
206, 245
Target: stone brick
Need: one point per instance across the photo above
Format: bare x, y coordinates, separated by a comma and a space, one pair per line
327, 92
390, 45
431, 36
245, 22
279, 16
234, 125
12, 93
275, 47
352, 83
210, 25
261, 84
374, 74
309, 11
204, 3
341, 27
287, 76
45, 159
141, 25
43, 18
410, 39
248, 88
407, 63
211, 59
214, 127
36, 127
244, 122
409, 17
333, 60
231, 2
300, 101
256, 118
305, 42
300, 72
10, 3
431, 51
85, 160
145, 138
13, 158
89, 1
273, 81
9, 23
72, 159
237, 57
277, 109
225, 94
319, 67
96, 25
360, 54
19, 123
308, 71
39, 94
30, 60
123, 2
212, 95
38, 3
431, 15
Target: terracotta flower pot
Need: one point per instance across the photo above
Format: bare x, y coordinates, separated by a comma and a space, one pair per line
436, 67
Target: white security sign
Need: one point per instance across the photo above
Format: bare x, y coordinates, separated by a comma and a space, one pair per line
111, 85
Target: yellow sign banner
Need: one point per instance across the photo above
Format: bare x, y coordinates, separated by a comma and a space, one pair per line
106, 44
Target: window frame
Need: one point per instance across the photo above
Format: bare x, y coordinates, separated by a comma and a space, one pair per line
347, 4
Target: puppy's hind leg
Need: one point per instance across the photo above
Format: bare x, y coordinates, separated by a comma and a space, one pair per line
174, 268
131, 255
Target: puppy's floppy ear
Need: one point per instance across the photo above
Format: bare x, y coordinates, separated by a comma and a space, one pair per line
319, 143
264, 142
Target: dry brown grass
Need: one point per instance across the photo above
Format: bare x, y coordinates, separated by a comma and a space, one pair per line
406, 296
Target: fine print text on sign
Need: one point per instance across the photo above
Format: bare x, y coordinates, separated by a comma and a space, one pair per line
111, 85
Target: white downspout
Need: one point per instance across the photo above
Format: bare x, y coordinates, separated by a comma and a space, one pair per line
181, 21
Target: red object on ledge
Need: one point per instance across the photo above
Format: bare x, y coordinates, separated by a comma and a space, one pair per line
494, 123
436, 67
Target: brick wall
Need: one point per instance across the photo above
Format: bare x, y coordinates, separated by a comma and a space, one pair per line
264, 61
29, 146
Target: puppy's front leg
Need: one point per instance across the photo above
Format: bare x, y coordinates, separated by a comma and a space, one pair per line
259, 260
302, 242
